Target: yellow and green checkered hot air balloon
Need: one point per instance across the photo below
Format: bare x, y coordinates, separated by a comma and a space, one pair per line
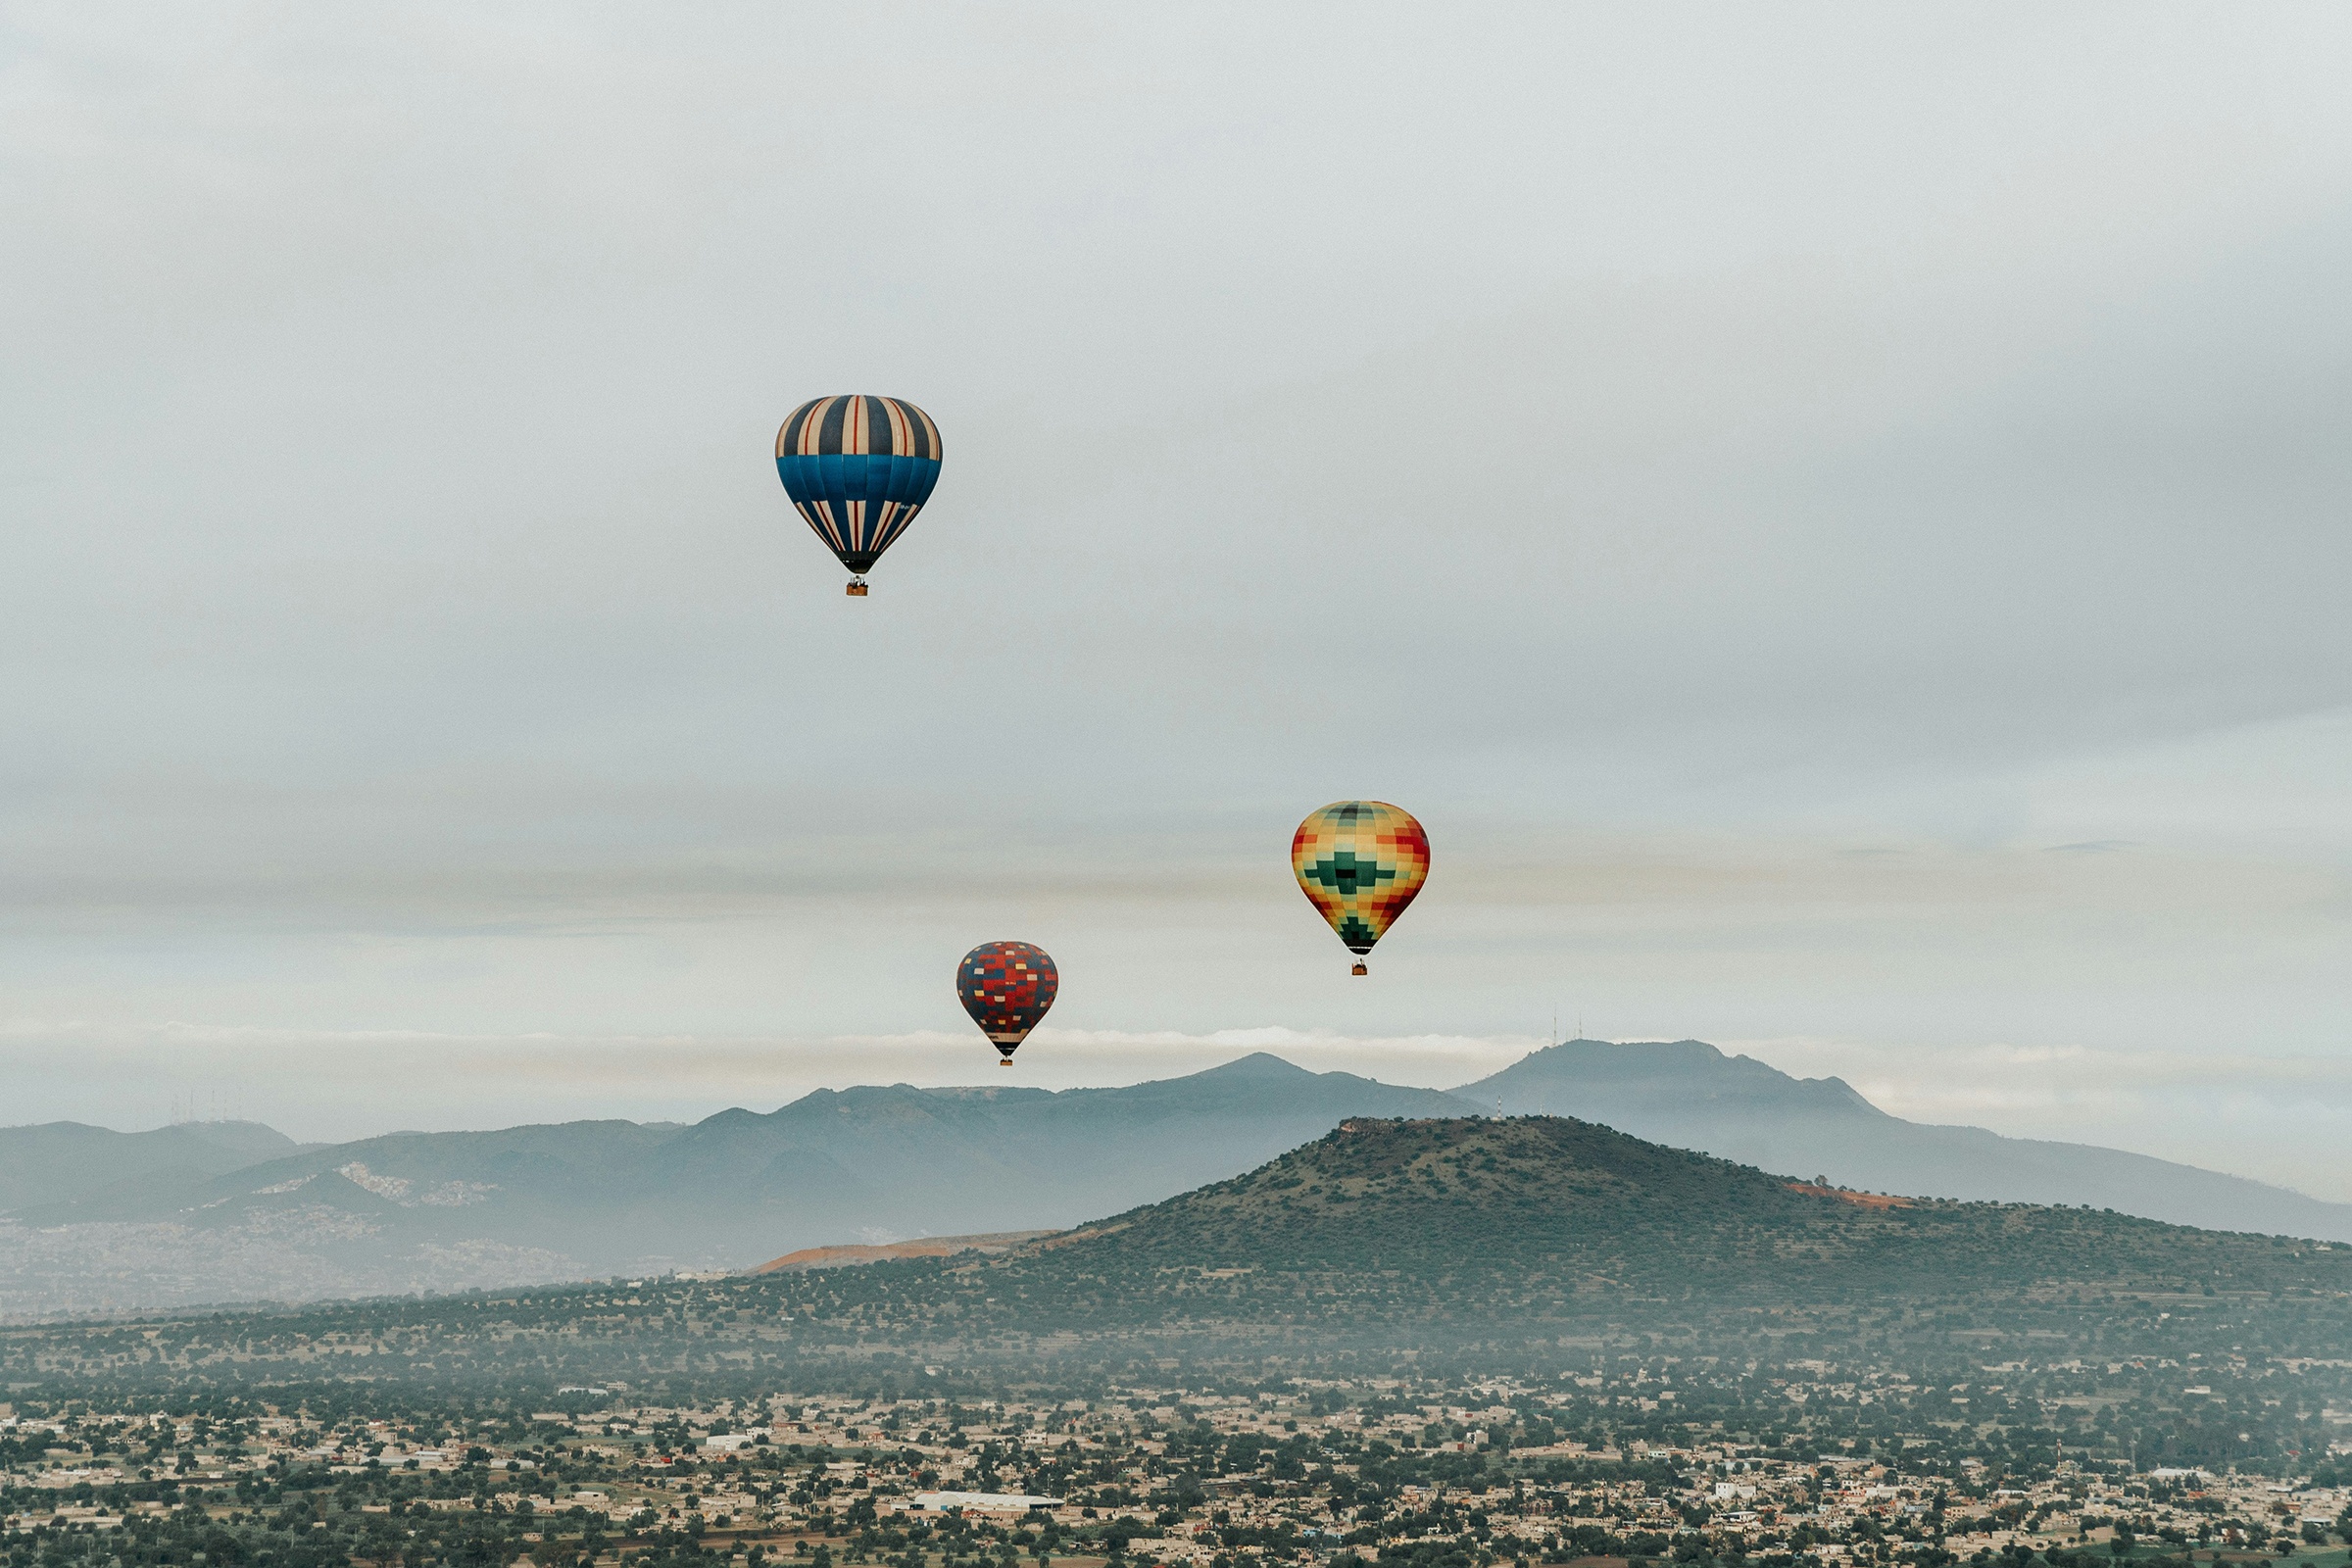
1359, 864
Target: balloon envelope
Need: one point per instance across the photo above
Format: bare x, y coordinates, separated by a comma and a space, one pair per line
1007, 986
858, 469
1359, 864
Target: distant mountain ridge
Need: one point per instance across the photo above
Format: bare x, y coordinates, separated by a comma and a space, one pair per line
95, 1220
577, 1199
1688, 1094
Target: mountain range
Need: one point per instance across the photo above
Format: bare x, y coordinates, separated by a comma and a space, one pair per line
1527, 1242
109, 1221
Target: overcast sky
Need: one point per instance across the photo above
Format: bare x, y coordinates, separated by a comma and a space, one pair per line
1836, 518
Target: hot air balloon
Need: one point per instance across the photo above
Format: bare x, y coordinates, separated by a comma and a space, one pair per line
1007, 986
858, 469
1360, 862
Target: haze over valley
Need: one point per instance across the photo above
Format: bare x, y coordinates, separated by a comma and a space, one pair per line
221, 1212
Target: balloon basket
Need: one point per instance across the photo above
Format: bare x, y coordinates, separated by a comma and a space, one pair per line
1359, 969
856, 590
1006, 1062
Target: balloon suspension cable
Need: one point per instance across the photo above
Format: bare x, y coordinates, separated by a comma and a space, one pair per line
1359, 969
857, 588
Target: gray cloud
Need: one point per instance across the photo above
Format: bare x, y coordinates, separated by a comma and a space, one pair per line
1751, 488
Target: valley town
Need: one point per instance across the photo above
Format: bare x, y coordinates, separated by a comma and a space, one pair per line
1384, 1472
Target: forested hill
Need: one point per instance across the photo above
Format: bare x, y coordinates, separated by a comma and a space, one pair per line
1522, 1241
1570, 1210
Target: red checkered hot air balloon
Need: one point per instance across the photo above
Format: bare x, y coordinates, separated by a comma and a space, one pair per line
1007, 986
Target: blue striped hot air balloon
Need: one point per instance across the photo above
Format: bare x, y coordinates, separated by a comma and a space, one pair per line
858, 469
